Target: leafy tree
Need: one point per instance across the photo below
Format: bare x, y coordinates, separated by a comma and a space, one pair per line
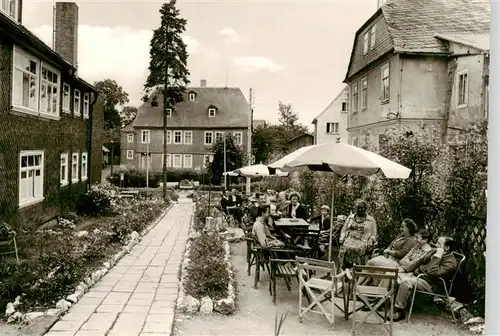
235, 157
127, 114
168, 66
113, 96
263, 143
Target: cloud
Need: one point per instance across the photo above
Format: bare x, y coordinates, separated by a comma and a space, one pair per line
229, 35
257, 63
119, 53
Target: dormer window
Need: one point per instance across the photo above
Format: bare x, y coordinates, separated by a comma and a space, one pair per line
154, 102
169, 112
192, 96
212, 111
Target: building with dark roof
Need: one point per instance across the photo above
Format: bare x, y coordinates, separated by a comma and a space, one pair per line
50, 133
419, 62
205, 114
331, 123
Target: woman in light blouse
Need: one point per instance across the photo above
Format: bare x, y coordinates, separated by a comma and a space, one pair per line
295, 209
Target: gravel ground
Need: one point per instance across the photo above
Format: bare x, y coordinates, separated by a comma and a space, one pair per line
256, 314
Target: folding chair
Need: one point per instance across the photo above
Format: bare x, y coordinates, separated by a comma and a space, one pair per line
251, 257
383, 294
281, 267
328, 287
447, 288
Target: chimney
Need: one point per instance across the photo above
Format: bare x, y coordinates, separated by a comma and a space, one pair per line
203, 83
66, 31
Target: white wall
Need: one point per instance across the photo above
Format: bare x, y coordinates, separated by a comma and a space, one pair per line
333, 114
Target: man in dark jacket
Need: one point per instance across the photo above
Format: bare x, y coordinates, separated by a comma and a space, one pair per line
440, 263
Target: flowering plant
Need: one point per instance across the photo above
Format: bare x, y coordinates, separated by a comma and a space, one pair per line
6, 231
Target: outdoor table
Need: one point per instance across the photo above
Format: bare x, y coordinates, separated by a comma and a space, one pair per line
292, 223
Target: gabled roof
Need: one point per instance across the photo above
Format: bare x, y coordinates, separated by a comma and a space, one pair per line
233, 110
341, 93
477, 41
303, 135
413, 24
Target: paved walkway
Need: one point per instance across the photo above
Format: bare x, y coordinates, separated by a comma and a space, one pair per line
137, 296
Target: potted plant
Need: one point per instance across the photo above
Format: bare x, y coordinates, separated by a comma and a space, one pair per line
6, 232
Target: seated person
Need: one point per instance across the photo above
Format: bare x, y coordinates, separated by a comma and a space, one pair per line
224, 200
441, 263
234, 205
295, 209
261, 230
323, 219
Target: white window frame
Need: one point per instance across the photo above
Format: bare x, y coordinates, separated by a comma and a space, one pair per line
143, 133
365, 43
169, 137
384, 97
216, 136
130, 154
169, 112
64, 165
355, 97
205, 138
373, 33
332, 128
346, 107
54, 87
462, 101
13, 11
37, 184
364, 93
177, 156
86, 105
188, 140
77, 103
192, 96
130, 138
179, 133
33, 103
169, 160
187, 161
238, 138
66, 98
75, 163
212, 111
84, 165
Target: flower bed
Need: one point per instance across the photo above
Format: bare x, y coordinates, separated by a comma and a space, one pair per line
207, 279
63, 258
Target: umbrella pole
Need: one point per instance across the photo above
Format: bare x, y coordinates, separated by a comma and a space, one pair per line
331, 219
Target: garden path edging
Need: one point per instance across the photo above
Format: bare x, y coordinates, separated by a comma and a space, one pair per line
63, 305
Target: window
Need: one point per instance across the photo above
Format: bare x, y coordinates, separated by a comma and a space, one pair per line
177, 137
10, 7
354, 141
64, 169
364, 93
130, 138
192, 96
211, 112
84, 166
74, 167
76, 103
30, 177
25, 79
355, 97
66, 98
208, 138
86, 105
130, 154
169, 137
332, 127
188, 137
177, 161
463, 88
49, 91
145, 136
188, 161
365, 43
344, 107
218, 135
169, 160
169, 112
238, 138
385, 83
372, 37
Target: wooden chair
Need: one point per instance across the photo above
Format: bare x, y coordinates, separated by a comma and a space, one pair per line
447, 286
9, 247
383, 294
319, 289
282, 266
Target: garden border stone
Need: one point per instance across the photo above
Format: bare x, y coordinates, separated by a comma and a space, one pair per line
190, 305
63, 305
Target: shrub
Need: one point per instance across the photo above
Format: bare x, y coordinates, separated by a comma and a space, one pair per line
99, 200
135, 179
14, 280
207, 273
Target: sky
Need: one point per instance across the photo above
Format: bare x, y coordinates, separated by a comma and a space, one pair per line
296, 52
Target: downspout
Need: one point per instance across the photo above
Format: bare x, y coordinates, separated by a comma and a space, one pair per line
89, 127
447, 107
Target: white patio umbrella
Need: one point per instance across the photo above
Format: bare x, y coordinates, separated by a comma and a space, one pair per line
341, 159
256, 171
